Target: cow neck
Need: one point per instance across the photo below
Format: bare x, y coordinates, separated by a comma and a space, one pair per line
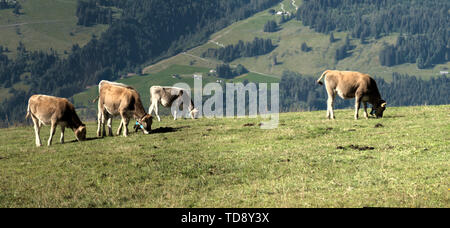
139, 111
74, 123
375, 98
191, 105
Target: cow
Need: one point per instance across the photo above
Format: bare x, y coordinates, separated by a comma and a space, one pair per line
53, 111
119, 99
350, 85
166, 96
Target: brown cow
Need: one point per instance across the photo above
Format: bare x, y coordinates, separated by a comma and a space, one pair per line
119, 99
54, 111
350, 85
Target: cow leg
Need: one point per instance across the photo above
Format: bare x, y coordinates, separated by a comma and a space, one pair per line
150, 109
109, 123
357, 105
366, 115
104, 120
177, 105
119, 130
37, 129
61, 140
101, 124
330, 107
100, 117
330, 103
156, 112
124, 124
125, 130
52, 132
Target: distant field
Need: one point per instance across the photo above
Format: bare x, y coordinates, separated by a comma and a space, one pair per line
45, 24
401, 160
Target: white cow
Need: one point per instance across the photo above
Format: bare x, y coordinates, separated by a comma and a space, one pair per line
166, 96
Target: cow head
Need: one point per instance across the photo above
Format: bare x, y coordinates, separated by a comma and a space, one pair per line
146, 122
378, 109
194, 113
80, 133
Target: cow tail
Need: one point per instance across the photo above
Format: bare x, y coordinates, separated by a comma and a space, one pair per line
28, 111
96, 99
319, 81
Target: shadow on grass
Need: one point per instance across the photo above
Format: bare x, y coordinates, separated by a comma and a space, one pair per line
162, 130
87, 139
393, 116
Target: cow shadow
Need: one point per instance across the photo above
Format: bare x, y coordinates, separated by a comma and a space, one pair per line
87, 139
393, 116
163, 130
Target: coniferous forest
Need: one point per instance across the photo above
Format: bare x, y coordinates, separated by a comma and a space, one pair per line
423, 26
249, 49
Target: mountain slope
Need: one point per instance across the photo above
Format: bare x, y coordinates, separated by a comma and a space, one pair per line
363, 57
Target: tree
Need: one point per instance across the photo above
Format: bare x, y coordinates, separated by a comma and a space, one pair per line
240, 70
420, 62
305, 47
270, 26
274, 59
332, 39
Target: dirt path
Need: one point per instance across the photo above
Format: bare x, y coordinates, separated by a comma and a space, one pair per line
282, 8
29, 23
295, 5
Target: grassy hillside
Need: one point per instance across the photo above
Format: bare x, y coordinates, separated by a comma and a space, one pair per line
44, 24
401, 160
364, 57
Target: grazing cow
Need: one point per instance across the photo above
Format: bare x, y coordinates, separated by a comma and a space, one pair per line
118, 99
350, 85
54, 111
166, 96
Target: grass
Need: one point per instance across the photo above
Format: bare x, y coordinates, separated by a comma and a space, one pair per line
306, 162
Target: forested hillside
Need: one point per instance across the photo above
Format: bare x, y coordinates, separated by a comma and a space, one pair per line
423, 26
146, 31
